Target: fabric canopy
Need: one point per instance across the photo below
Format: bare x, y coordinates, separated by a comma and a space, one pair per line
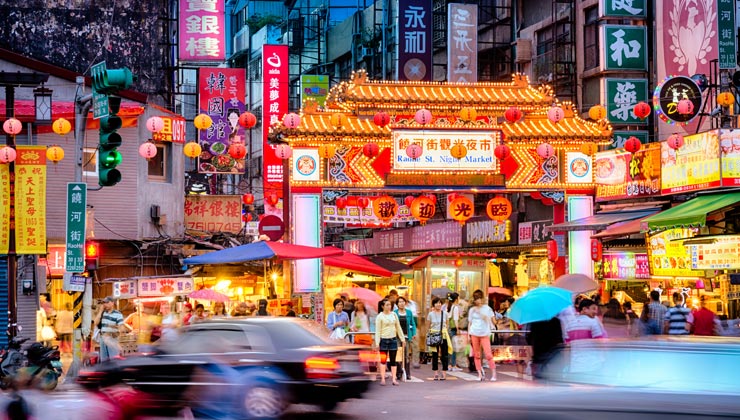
357, 263
621, 229
391, 265
262, 250
693, 212
599, 221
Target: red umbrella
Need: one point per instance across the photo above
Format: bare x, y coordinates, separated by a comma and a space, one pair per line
499, 291
209, 294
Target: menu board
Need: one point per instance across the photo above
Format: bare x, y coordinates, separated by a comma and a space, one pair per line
626, 266
723, 253
694, 166
668, 255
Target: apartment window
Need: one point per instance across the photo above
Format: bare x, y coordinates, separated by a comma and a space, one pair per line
545, 40
90, 162
591, 38
160, 165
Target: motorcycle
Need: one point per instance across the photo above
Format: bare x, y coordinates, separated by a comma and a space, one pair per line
44, 368
12, 360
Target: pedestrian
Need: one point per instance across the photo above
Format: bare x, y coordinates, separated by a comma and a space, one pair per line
360, 324
219, 310
188, 308
677, 317
262, 308
437, 324
452, 312
544, 337
653, 314
290, 312
240, 310
631, 318
480, 326
64, 327
706, 321
414, 341
408, 325
110, 322
585, 325
338, 319
388, 334
198, 315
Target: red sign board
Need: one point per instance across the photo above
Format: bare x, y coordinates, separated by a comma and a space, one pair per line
275, 98
174, 130
626, 265
213, 213
272, 226
620, 174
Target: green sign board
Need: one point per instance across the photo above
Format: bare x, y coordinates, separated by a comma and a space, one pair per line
76, 212
99, 100
621, 97
726, 34
624, 8
314, 87
625, 47
619, 137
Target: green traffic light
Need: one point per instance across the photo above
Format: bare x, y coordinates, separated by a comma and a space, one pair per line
110, 158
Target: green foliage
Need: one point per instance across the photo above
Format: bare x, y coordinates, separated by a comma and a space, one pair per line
257, 21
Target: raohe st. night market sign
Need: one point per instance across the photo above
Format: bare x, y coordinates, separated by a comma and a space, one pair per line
436, 146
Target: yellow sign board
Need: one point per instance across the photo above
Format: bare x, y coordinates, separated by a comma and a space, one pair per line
30, 200
4, 209
668, 256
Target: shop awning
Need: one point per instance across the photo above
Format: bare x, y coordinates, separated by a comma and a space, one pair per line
391, 265
599, 221
693, 212
357, 263
263, 250
621, 229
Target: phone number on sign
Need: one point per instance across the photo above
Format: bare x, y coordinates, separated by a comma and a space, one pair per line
233, 227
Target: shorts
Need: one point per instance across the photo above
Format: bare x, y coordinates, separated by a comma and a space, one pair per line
388, 344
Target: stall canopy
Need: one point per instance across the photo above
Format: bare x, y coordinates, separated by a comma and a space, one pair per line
621, 229
599, 221
261, 251
692, 213
356, 263
391, 265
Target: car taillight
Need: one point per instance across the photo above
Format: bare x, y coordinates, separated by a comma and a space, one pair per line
321, 367
372, 357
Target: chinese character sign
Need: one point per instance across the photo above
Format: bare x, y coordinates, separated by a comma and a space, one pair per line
174, 130
621, 97
462, 43
30, 200
624, 8
202, 30
729, 144
626, 47
415, 40
619, 174
694, 166
213, 213
314, 87
76, 219
726, 34
4, 209
221, 95
619, 137
275, 106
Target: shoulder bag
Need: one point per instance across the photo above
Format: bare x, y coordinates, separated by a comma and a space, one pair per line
434, 338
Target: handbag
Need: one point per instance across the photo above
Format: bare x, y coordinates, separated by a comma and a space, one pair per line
338, 333
434, 339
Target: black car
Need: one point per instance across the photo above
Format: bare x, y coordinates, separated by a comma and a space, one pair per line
238, 368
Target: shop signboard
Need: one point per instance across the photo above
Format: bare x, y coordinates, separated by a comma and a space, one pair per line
619, 174
619, 137
164, 286
30, 200
481, 232
722, 254
534, 232
462, 43
626, 266
314, 87
124, 289
729, 144
436, 146
55, 259
578, 168
415, 31
363, 217
202, 31
621, 97
419, 238
694, 166
460, 262
213, 213
73, 282
668, 255
625, 47
275, 94
623, 9
317, 307
172, 131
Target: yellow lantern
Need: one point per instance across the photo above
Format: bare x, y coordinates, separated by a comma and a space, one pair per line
725, 99
468, 114
55, 153
589, 148
462, 209
327, 151
385, 208
499, 208
202, 121
423, 208
61, 126
338, 120
458, 151
597, 112
192, 150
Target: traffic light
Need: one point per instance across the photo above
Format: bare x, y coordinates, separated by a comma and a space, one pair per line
108, 155
110, 81
92, 255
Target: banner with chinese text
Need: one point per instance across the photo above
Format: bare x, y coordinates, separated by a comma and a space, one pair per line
415, 40
625, 47
621, 96
4, 209
213, 213
729, 145
436, 146
722, 254
620, 174
221, 95
202, 30
668, 255
30, 200
694, 166
173, 131
462, 43
275, 106
623, 9
164, 286
626, 266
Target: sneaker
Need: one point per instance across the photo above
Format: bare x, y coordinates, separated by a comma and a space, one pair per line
493, 376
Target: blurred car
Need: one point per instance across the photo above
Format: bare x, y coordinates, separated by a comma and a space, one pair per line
236, 368
660, 378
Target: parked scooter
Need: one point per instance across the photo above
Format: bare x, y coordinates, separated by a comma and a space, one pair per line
43, 370
12, 360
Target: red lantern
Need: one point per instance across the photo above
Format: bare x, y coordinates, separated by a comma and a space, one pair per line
385, 208
432, 197
685, 107
545, 150
7, 154
596, 250
502, 152
147, 150
423, 116
413, 151
247, 120
272, 199
341, 203
513, 114
675, 141
632, 144
381, 119
12, 126
641, 110
462, 209
237, 151
248, 199
283, 151
458, 262
423, 208
247, 217
371, 150
363, 202
555, 114
408, 200
499, 208
552, 250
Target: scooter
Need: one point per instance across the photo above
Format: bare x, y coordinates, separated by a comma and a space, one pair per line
12, 360
44, 367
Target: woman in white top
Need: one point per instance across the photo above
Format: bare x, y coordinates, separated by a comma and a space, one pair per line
387, 329
360, 323
480, 324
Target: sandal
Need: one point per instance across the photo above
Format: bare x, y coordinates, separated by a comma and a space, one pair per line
436, 376
444, 377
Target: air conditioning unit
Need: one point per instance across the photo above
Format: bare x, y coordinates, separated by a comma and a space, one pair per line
367, 52
241, 40
523, 50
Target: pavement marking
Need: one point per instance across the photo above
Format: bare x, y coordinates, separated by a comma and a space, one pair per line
414, 379
464, 376
516, 375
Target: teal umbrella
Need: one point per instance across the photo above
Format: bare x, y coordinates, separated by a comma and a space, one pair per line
540, 304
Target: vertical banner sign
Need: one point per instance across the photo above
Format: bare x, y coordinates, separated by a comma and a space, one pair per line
274, 107
726, 33
627, 47
221, 95
621, 97
729, 147
30, 200
623, 9
462, 43
76, 212
202, 30
415, 40
314, 87
4, 209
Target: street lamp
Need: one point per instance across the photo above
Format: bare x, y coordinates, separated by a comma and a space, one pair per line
42, 102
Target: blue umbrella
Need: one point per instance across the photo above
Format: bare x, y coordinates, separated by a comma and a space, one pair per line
540, 304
